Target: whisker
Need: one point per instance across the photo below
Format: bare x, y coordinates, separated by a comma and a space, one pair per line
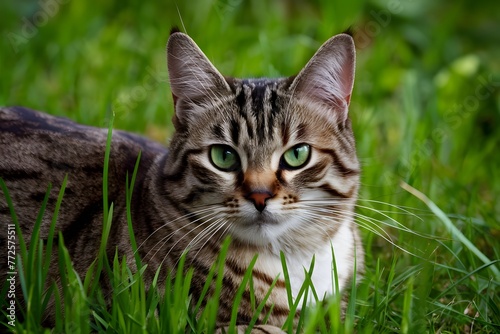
401, 208
395, 224
362, 221
210, 225
217, 229
166, 238
366, 223
194, 213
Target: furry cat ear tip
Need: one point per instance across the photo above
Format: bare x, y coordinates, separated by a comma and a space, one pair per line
343, 39
174, 29
349, 31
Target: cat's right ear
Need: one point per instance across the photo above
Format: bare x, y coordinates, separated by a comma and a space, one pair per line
328, 78
193, 78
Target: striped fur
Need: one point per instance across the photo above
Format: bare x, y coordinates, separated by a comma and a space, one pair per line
183, 201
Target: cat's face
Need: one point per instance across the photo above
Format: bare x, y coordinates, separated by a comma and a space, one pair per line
265, 160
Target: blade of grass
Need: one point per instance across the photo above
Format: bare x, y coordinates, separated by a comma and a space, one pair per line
335, 308
76, 306
33, 266
102, 258
288, 323
36, 232
462, 279
239, 293
407, 306
309, 287
21, 242
451, 227
107, 214
129, 192
351, 306
50, 238
107, 153
218, 283
261, 306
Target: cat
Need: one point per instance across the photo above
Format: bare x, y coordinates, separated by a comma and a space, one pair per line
269, 162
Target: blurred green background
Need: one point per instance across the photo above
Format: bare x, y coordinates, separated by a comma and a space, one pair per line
425, 110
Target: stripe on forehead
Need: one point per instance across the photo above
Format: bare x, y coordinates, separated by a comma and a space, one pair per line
257, 100
244, 104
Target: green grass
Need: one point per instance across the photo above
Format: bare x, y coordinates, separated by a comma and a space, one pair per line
425, 107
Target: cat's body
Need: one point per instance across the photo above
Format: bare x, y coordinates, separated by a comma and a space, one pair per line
270, 162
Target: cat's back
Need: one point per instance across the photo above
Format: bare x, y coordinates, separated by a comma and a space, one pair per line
31, 128
37, 149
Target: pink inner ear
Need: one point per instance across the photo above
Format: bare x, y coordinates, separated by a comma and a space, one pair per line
348, 99
328, 77
329, 90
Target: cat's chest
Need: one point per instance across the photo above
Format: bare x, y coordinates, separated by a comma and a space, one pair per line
325, 278
322, 273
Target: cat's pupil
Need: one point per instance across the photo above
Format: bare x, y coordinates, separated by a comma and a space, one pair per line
225, 154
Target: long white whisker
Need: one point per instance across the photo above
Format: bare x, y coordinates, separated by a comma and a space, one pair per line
366, 223
204, 219
401, 208
396, 224
194, 213
362, 221
217, 228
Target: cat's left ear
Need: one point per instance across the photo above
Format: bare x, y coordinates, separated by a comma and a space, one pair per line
328, 78
192, 76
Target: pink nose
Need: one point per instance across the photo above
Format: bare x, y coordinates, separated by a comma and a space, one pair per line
259, 199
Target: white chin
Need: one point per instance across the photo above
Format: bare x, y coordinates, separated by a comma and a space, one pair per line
261, 232
256, 235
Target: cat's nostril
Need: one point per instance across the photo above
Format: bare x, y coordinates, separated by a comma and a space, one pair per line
259, 199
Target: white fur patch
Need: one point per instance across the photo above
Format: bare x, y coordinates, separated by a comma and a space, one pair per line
323, 271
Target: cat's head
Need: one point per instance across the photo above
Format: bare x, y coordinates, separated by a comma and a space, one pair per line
269, 161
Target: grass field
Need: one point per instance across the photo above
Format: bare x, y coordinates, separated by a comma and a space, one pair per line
425, 111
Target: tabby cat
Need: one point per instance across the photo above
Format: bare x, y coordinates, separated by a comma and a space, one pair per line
269, 162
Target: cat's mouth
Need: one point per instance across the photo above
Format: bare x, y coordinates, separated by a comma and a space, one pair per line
258, 232
260, 219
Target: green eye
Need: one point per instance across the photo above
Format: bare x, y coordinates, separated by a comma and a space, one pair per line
224, 158
297, 156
